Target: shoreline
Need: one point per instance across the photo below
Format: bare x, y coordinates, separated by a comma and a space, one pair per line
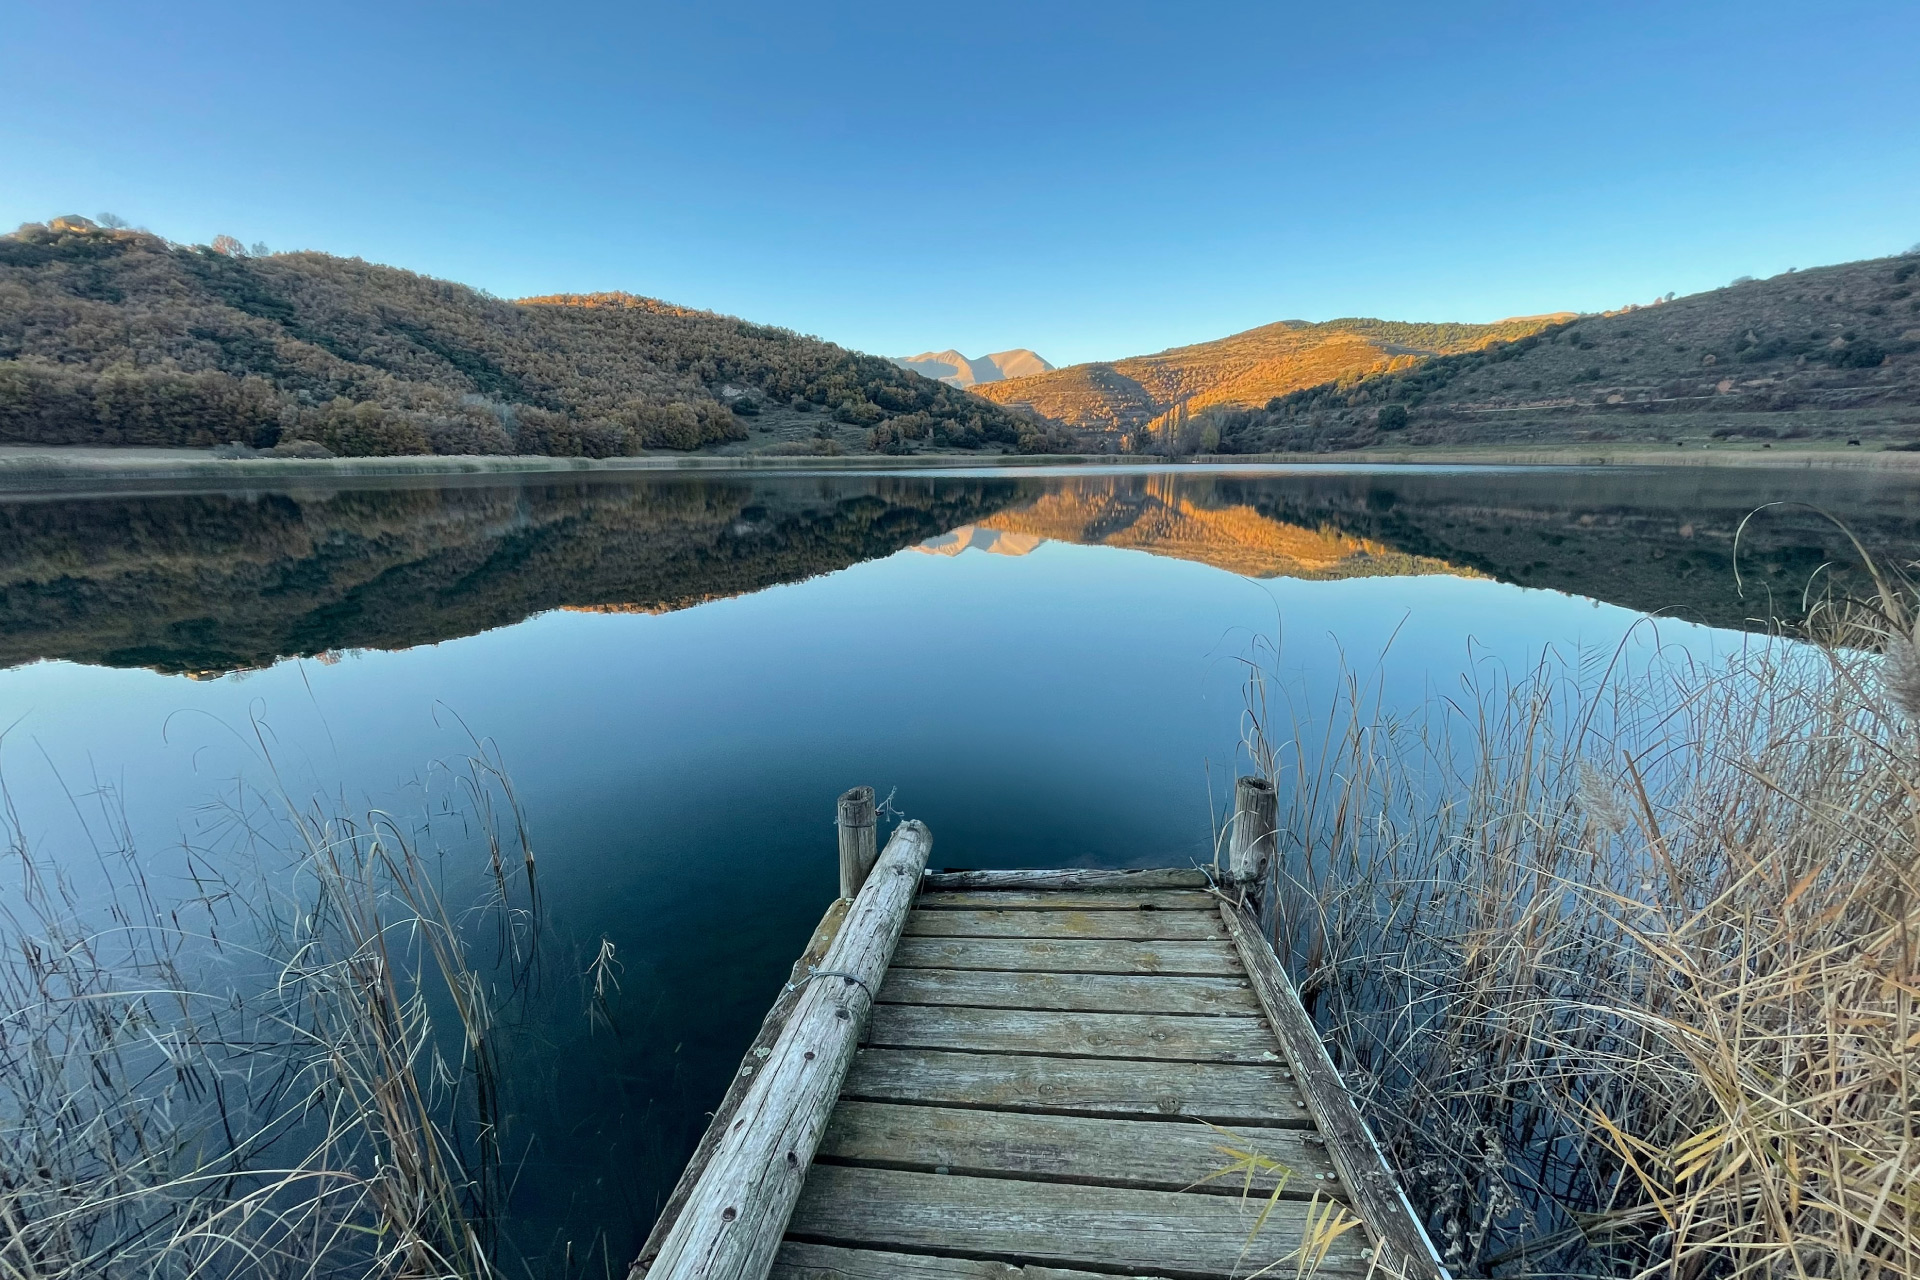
28, 469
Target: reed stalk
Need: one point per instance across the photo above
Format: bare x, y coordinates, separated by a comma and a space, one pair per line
1617, 953
287, 1071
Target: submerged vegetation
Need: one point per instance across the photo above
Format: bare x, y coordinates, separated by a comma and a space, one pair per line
1619, 958
290, 1073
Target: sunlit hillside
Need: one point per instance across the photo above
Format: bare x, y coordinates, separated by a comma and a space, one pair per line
1247, 368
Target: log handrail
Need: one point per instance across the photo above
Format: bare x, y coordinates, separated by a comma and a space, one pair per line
734, 1217
811, 958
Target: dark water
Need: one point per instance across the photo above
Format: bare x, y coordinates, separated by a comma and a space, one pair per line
681, 674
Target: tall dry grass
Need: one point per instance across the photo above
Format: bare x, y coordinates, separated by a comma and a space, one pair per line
280, 1063
1618, 954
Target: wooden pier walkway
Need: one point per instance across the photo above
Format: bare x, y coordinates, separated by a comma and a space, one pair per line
1037, 1075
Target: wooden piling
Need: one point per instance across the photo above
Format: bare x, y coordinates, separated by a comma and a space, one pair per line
1251, 852
857, 841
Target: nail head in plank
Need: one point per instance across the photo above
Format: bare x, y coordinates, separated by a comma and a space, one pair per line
1070, 900
1223, 1093
1093, 1035
798, 1260
1083, 992
1057, 1224
1156, 1155
1070, 955
1363, 1168
1146, 926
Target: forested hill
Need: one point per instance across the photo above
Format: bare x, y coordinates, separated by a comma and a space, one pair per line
1244, 369
117, 337
1828, 353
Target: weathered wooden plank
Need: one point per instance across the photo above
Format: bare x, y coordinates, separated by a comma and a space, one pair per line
757, 1053
734, 1217
798, 1260
1070, 878
1084, 992
1370, 1181
1070, 955
1148, 926
1072, 1035
1157, 1155
1070, 900
1058, 1224
1223, 1093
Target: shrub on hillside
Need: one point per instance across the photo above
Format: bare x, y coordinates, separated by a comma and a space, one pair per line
117, 337
363, 431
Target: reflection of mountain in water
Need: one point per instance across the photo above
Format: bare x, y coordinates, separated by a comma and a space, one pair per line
1188, 522
220, 581
978, 537
201, 582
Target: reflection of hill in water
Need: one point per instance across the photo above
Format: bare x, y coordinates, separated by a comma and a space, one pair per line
215, 582
1187, 521
1653, 540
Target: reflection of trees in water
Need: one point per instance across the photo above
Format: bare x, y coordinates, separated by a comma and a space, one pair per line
219, 581
1649, 540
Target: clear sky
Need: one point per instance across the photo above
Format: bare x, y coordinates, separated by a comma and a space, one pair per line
1088, 179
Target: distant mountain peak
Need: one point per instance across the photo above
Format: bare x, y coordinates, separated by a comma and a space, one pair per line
956, 370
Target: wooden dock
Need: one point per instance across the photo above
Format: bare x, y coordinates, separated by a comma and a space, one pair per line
1037, 1075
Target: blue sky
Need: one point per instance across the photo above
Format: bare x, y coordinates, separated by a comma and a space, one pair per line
1090, 180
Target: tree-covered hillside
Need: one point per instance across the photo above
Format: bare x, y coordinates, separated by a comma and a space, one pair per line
116, 337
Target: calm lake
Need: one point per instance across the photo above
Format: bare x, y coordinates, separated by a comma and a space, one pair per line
682, 673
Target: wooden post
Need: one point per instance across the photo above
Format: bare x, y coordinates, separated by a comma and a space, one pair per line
857, 843
1251, 853
731, 1224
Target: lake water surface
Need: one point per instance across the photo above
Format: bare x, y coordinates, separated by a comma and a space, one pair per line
682, 673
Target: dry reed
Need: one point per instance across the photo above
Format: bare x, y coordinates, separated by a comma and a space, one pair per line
288, 1071
1618, 956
